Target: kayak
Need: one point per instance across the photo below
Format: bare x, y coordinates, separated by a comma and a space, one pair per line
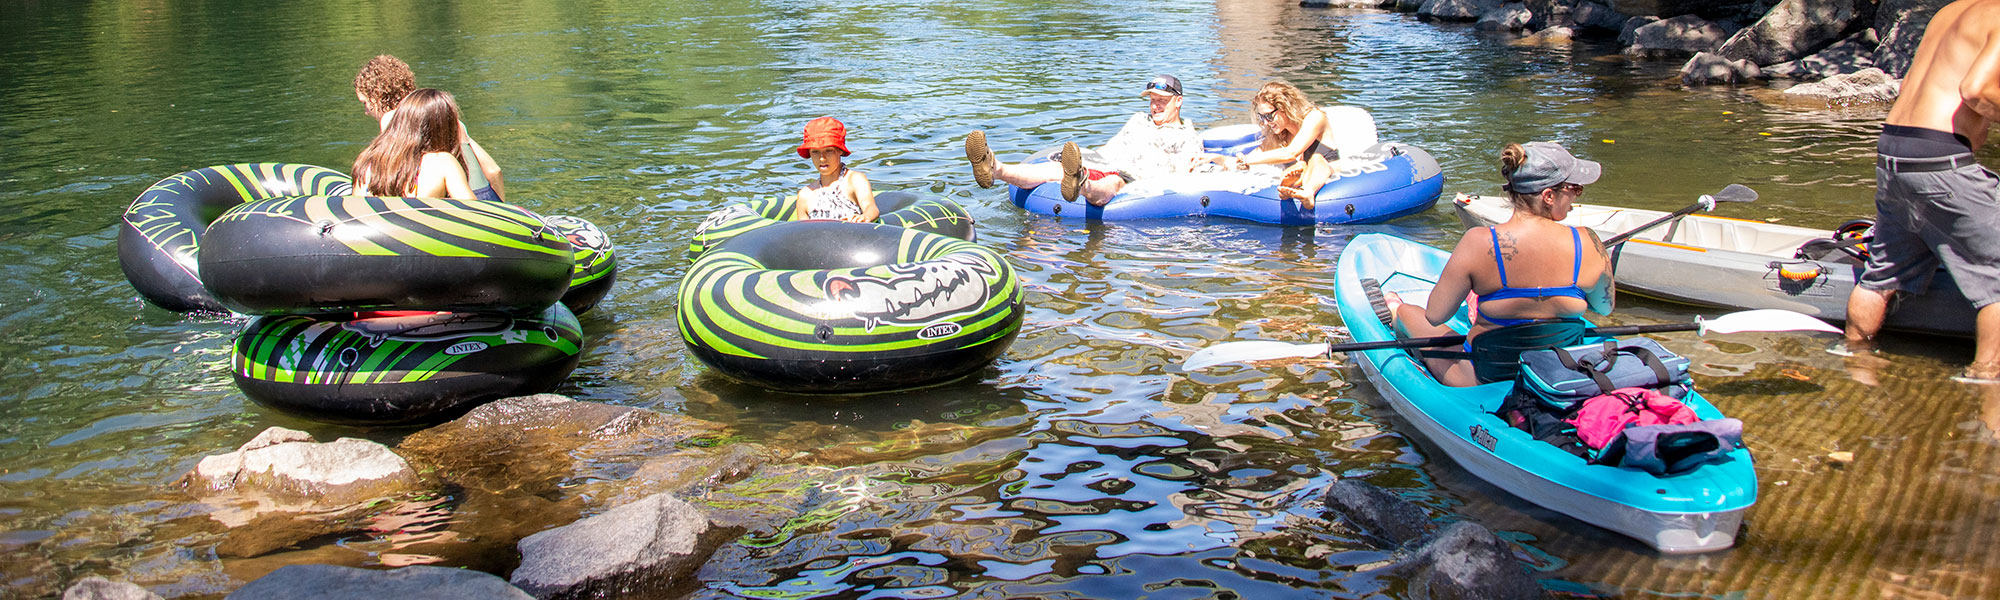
1373, 184
1696, 511
1729, 263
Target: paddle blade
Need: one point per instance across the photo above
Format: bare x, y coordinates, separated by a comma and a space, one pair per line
1247, 352
1735, 192
1766, 319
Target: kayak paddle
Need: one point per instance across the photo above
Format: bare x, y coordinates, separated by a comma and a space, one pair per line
1734, 192
1766, 319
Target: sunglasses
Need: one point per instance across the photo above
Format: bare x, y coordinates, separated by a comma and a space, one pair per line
1267, 116
1573, 189
1154, 85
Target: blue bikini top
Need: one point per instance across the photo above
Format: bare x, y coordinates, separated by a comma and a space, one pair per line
1506, 291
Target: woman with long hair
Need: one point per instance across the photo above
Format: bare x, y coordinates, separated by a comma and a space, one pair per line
417, 153
1296, 134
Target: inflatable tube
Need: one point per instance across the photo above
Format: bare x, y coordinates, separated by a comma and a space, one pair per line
334, 254
901, 209
164, 227
596, 263
830, 307
405, 369
1384, 182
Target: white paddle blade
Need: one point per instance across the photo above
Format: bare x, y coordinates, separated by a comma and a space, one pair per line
1766, 319
1247, 352
1735, 192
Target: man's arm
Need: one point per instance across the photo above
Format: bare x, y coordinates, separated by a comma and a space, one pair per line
1981, 86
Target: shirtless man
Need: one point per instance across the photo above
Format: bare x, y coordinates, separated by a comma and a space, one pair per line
1934, 203
1156, 142
382, 84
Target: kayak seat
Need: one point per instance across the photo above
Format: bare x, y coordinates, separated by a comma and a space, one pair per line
1496, 354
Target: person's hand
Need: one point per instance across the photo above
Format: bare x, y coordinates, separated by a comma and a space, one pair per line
853, 219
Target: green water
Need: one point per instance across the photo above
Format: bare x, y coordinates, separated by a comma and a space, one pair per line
1081, 463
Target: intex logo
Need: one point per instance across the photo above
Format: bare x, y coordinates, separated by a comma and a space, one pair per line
465, 348
937, 331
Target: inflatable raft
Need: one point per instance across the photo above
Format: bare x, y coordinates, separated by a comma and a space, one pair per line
163, 229
900, 209
1373, 183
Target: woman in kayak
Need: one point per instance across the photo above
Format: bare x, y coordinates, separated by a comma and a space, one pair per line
1528, 270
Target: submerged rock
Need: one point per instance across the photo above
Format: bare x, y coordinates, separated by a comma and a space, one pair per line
654, 545
1706, 69
1377, 513
1465, 561
329, 582
99, 588
1684, 35
1850, 55
531, 444
1860, 87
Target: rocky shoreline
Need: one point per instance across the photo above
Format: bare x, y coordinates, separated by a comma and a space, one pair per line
1842, 52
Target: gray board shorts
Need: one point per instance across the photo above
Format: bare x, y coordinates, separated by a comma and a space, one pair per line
1931, 211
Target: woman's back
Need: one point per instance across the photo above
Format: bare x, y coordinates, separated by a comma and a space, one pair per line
1534, 269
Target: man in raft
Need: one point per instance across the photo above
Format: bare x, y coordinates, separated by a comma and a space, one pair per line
1156, 142
1934, 203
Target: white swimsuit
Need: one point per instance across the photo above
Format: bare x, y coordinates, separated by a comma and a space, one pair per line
830, 201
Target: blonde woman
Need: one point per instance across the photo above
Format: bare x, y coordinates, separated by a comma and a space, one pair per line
1297, 134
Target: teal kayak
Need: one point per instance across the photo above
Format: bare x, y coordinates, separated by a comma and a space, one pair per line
1697, 511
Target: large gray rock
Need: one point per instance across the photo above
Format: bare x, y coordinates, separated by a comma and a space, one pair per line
1543, 14
1512, 16
1680, 36
1592, 16
1709, 69
1457, 10
329, 582
1796, 28
1631, 28
533, 444
1376, 513
1869, 85
1901, 24
1465, 562
99, 588
289, 469
654, 544
1850, 55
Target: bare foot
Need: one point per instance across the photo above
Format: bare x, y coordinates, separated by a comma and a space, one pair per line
1980, 373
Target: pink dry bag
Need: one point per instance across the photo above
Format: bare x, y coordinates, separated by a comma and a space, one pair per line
1604, 416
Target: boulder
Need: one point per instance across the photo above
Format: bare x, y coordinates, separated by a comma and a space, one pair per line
1680, 36
1340, 3
329, 582
1543, 14
654, 545
1631, 28
1794, 29
1672, 8
1592, 16
1512, 16
1408, 6
1708, 69
99, 588
1860, 87
1850, 55
289, 469
1457, 10
1901, 24
1376, 513
532, 444
1465, 561
1551, 36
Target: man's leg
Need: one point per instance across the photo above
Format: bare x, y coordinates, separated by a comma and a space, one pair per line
1098, 192
986, 168
1866, 309
1985, 367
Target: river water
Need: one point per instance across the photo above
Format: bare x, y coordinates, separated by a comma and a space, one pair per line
1081, 464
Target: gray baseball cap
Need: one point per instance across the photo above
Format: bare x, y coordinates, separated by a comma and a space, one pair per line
1548, 165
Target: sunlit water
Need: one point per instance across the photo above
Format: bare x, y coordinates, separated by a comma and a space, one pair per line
1082, 463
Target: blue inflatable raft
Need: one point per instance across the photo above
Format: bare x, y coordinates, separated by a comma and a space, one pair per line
1382, 182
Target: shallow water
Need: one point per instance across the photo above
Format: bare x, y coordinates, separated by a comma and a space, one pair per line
1080, 464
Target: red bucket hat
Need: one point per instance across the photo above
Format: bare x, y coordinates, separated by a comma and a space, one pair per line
824, 132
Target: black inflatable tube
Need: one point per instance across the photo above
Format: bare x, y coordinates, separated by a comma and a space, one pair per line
163, 229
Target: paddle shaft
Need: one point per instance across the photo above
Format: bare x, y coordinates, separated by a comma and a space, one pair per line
1448, 340
1620, 238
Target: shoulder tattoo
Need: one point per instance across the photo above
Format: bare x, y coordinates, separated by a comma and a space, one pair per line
1508, 247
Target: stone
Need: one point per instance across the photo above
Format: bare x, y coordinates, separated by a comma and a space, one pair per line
1595, 17
1340, 3
293, 472
1672, 8
1708, 69
1850, 55
1409, 6
1901, 24
99, 588
1795, 29
1543, 14
1512, 16
330, 582
1551, 36
1463, 562
1631, 28
655, 545
1457, 10
1680, 36
531, 444
1860, 87
1376, 513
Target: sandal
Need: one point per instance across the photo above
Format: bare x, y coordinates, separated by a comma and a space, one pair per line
1073, 171
982, 159
1373, 289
